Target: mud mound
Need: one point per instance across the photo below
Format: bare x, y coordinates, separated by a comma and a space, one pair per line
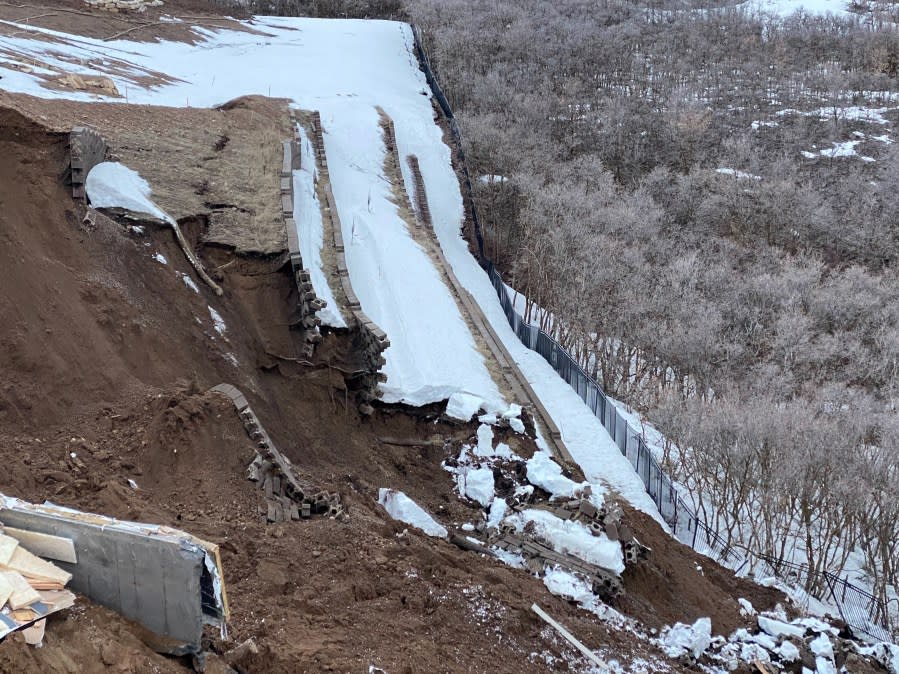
86, 639
676, 584
74, 16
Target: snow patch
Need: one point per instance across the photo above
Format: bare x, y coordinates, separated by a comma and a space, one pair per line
739, 175
189, 282
544, 472
307, 216
485, 441
497, 512
114, 185
401, 507
217, 321
463, 406
476, 484
694, 639
777, 628
160, 258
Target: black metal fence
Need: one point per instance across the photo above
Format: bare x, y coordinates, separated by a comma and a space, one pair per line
860, 609
857, 607
683, 521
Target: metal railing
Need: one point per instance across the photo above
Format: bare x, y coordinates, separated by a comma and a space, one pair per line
860, 609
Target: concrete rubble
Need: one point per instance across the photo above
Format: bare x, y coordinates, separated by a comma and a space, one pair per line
539, 555
287, 496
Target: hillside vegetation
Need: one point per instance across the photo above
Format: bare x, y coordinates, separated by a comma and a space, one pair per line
705, 197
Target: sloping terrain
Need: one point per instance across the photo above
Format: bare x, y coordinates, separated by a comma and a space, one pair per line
108, 349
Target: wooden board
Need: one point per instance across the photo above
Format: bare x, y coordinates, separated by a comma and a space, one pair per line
57, 599
44, 584
22, 593
590, 655
8, 546
33, 566
5, 590
44, 545
34, 634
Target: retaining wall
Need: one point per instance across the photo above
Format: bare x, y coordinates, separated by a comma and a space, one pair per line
370, 340
308, 303
87, 148
115, 6
288, 497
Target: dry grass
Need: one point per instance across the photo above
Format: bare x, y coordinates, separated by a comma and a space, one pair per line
224, 163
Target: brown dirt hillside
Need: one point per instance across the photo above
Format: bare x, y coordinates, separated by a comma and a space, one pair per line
107, 356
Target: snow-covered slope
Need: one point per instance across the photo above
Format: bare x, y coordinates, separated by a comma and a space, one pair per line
345, 69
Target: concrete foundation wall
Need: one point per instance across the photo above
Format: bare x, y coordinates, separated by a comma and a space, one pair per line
153, 575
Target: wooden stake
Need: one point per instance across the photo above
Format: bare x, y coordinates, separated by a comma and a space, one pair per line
570, 638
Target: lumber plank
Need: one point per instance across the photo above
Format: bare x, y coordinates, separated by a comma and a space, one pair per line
33, 566
44, 545
44, 584
570, 638
760, 666
8, 546
34, 634
22, 593
5, 590
58, 599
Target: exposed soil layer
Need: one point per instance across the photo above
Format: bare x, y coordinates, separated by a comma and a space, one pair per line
107, 355
222, 164
680, 585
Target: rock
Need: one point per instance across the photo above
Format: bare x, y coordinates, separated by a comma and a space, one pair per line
238, 653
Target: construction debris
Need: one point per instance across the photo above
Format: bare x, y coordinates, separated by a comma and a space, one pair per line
287, 497
590, 655
539, 555
165, 579
30, 587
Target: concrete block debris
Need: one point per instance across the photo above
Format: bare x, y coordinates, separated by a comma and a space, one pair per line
287, 496
539, 555
604, 520
165, 579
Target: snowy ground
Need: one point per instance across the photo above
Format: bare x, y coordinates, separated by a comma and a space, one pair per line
307, 215
787, 7
432, 353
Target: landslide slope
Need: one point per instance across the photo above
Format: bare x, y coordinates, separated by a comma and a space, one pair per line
107, 355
